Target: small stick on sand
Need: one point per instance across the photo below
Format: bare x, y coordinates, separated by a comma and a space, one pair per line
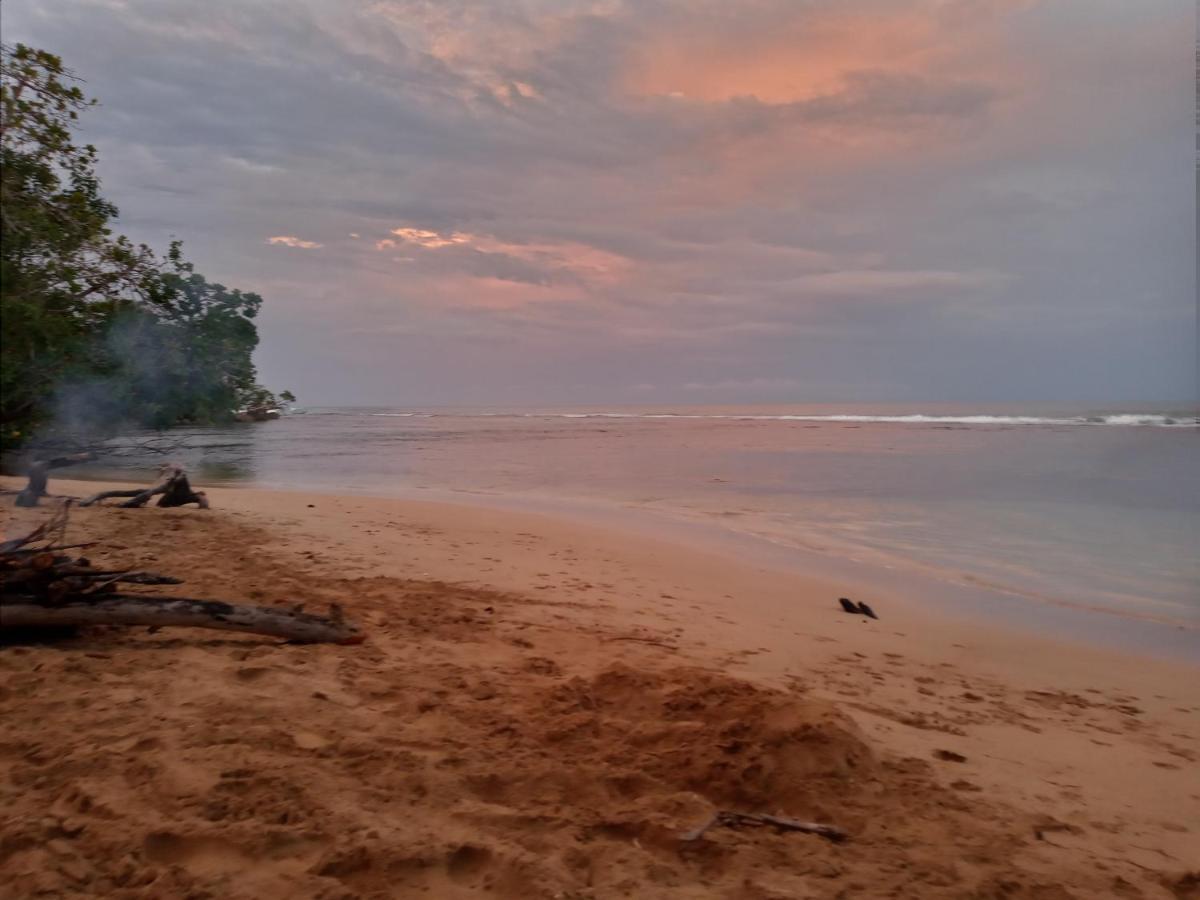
641, 640
734, 819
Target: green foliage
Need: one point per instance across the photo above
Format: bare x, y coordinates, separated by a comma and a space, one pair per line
98, 332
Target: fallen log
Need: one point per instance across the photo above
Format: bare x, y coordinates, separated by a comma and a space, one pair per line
173, 486
20, 553
160, 612
59, 567
734, 819
43, 589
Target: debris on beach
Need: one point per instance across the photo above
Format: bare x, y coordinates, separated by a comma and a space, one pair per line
949, 756
736, 819
173, 487
856, 609
38, 474
43, 587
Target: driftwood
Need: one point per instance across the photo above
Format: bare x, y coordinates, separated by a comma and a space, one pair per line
641, 640
84, 577
47, 536
173, 486
39, 475
42, 587
736, 819
160, 612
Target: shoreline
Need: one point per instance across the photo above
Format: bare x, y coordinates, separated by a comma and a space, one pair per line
1040, 723
972, 600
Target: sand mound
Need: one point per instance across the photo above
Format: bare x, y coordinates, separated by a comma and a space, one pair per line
690, 730
472, 747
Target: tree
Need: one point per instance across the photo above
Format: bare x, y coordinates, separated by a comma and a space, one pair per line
98, 332
187, 354
62, 271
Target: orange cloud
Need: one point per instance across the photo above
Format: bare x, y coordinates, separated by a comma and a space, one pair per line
290, 240
794, 59
500, 295
431, 239
582, 260
792, 53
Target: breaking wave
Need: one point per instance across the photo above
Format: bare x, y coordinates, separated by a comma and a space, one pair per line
1140, 419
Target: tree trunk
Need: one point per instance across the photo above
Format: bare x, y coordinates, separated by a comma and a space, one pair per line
132, 609
180, 493
39, 474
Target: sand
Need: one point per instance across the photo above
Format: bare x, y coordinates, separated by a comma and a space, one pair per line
543, 706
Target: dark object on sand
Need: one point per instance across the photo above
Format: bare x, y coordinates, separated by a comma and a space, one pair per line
41, 587
856, 609
100, 608
173, 486
736, 819
949, 756
1040, 832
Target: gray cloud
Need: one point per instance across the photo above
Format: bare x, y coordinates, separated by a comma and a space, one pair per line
998, 200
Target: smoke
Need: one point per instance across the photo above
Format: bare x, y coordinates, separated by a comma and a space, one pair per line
128, 384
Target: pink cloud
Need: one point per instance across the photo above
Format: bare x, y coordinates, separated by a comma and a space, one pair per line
290, 240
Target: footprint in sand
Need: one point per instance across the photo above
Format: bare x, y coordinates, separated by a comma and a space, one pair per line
214, 856
144, 745
251, 673
468, 862
202, 855
307, 740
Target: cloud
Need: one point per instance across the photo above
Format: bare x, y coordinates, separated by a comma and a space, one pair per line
430, 239
487, 256
663, 193
289, 240
877, 283
743, 385
875, 97
254, 168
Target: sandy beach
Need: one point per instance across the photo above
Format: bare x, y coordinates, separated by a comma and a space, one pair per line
595, 450
542, 707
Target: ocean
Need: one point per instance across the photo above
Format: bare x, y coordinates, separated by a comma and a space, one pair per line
1095, 511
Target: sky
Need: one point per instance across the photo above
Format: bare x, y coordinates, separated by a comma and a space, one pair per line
657, 201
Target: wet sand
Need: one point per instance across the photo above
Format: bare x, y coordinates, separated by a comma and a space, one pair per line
543, 705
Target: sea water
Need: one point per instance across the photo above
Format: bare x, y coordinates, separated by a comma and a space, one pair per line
1093, 509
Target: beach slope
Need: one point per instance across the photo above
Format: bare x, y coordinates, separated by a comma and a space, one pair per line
542, 708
